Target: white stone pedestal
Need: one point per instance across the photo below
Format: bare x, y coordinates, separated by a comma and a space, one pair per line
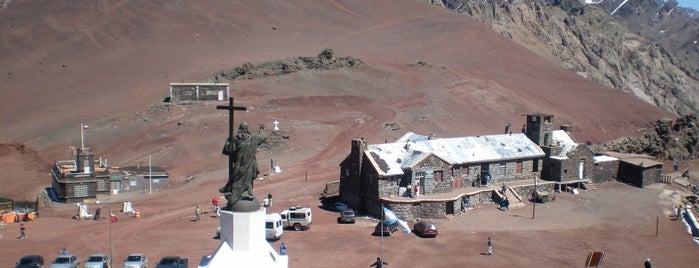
243, 243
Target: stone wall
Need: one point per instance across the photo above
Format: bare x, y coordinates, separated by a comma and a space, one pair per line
605, 171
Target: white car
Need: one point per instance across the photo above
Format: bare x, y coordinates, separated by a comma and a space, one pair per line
98, 261
136, 260
65, 261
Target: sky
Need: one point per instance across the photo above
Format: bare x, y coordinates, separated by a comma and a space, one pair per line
689, 3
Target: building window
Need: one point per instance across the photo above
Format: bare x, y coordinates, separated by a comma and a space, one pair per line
102, 186
535, 165
418, 177
80, 190
437, 176
115, 185
519, 167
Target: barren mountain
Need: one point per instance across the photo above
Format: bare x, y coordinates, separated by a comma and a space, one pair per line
658, 69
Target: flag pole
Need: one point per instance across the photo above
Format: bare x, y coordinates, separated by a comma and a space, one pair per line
383, 218
82, 135
150, 176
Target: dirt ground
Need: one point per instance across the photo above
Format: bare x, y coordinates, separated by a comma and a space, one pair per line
108, 64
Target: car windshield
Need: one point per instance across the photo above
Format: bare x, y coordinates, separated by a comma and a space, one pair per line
94, 259
26, 261
133, 258
168, 261
62, 260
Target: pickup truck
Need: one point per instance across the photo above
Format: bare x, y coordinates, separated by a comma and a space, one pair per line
172, 262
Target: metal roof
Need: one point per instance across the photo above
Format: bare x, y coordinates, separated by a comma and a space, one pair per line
561, 139
391, 159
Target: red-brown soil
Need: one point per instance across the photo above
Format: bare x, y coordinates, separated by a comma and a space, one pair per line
108, 64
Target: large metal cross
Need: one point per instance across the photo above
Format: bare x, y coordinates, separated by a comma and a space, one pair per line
230, 109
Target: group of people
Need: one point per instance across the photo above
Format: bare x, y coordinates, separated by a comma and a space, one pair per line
413, 191
267, 202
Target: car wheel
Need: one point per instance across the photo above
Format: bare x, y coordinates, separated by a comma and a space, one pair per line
297, 226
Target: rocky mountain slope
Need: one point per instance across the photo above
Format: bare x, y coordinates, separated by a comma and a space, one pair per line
590, 42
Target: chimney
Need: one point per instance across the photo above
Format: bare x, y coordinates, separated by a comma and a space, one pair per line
567, 128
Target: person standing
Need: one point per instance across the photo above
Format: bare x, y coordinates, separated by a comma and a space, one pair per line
197, 212
269, 196
378, 263
417, 190
265, 203
282, 249
214, 202
98, 213
22, 229
647, 264
490, 246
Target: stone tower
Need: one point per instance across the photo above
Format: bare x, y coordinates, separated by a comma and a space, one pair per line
539, 128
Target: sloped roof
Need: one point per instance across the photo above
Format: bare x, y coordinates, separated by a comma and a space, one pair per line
391, 159
561, 139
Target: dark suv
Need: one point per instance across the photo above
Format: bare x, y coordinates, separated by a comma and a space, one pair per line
346, 216
388, 228
30, 261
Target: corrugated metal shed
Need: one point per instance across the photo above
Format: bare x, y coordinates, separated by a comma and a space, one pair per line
390, 159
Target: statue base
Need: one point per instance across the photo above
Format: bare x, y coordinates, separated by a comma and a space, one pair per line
243, 205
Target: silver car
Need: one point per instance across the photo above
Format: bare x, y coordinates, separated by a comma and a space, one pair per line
65, 261
136, 260
98, 261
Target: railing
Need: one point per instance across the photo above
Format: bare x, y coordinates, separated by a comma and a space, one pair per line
666, 178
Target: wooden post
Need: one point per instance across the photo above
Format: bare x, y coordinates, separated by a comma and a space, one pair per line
657, 224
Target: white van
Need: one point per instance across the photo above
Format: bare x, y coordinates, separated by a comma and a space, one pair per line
273, 226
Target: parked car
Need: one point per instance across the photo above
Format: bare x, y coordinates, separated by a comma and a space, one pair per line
172, 262
66, 261
30, 261
425, 229
346, 216
136, 260
98, 261
388, 228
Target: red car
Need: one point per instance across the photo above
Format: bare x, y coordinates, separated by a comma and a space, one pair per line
425, 229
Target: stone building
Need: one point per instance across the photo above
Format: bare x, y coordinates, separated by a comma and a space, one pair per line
376, 174
183, 92
79, 179
605, 168
567, 161
638, 170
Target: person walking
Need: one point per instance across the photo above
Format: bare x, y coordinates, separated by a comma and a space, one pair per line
269, 196
282, 249
647, 264
490, 246
197, 212
378, 263
22, 229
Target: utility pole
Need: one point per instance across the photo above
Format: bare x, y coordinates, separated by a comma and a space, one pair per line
150, 176
110, 237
